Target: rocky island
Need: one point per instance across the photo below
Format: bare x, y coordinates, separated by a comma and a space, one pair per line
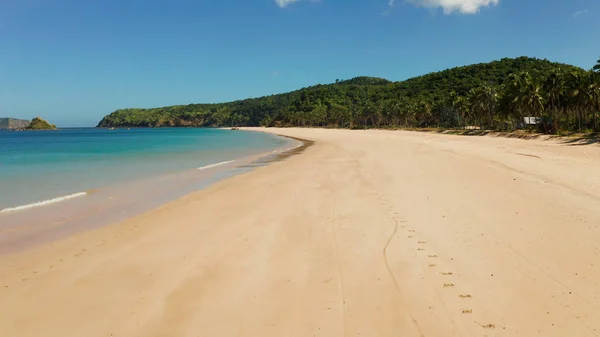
40, 124
23, 124
13, 123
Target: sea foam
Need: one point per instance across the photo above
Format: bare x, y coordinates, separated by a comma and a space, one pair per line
44, 202
215, 165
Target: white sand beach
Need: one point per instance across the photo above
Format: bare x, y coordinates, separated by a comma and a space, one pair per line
365, 233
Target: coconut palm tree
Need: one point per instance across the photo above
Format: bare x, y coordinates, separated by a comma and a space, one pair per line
423, 113
514, 93
534, 99
483, 101
597, 66
593, 96
524, 96
461, 107
579, 94
554, 87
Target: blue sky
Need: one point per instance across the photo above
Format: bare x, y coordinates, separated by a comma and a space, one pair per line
73, 61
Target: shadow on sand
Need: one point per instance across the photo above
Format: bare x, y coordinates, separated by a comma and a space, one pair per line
571, 139
582, 139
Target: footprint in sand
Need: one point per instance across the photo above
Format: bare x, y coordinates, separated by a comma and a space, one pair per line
467, 311
447, 273
80, 253
448, 285
421, 242
432, 256
432, 265
465, 296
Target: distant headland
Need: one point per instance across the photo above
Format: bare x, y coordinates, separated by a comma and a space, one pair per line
22, 124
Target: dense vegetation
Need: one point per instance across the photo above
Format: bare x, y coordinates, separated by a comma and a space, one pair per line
496, 95
40, 124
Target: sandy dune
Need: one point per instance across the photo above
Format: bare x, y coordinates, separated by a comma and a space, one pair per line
367, 233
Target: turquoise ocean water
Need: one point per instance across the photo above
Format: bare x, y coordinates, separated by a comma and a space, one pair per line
42, 165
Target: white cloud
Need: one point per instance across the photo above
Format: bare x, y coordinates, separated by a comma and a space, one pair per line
451, 6
284, 3
580, 13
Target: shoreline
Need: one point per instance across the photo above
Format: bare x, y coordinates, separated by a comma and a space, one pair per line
67, 215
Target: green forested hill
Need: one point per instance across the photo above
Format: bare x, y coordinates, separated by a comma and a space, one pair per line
463, 79
491, 95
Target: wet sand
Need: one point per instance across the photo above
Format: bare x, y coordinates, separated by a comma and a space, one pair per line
366, 233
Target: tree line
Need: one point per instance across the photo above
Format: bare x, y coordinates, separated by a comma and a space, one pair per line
502, 95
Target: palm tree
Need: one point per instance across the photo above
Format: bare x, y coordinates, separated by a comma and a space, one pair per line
592, 98
423, 113
524, 95
393, 114
554, 87
411, 114
578, 94
483, 101
534, 99
597, 66
460, 105
512, 98
476, 105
